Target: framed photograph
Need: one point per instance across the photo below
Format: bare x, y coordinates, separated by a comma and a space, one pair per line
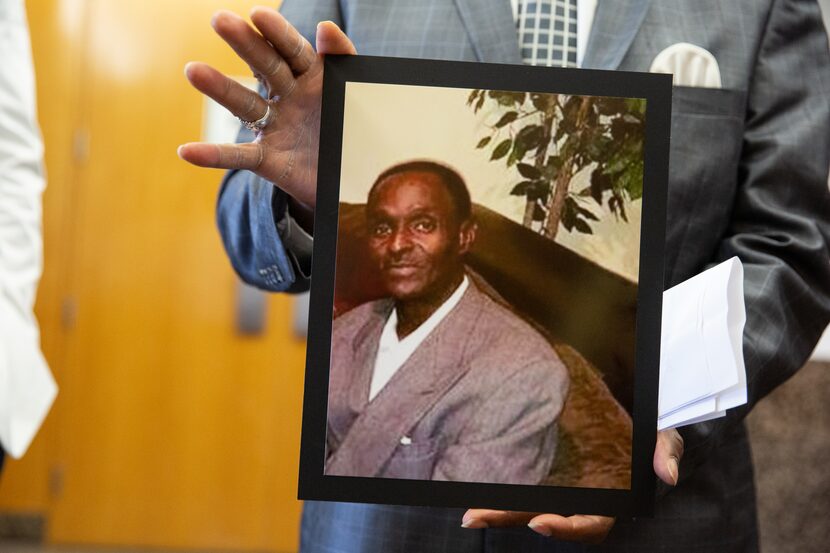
484, 327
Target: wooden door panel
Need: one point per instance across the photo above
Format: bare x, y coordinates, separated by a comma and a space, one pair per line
170, 429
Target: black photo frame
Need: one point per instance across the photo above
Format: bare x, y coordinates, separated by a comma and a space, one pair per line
314, 484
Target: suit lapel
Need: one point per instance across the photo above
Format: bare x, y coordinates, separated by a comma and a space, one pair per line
616, 22
491, 29
365, 351
426, 376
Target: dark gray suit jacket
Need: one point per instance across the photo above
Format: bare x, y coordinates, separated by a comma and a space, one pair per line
748, 178
478, 400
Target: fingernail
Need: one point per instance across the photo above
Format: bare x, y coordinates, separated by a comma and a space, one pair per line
539, 528
326, 21
214, 20
473, 523
672, 468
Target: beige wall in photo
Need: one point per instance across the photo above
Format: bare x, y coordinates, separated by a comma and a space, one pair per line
386, 124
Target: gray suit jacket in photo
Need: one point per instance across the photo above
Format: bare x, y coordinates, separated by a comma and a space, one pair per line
477, 401
748, 177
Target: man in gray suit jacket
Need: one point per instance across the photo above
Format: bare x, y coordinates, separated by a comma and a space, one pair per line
438, 382
748, 178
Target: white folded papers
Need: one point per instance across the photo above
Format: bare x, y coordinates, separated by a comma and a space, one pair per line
702, 372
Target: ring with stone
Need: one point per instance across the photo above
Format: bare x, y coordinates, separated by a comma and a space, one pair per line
260, 123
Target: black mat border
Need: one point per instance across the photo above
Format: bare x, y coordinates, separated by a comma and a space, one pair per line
656, 89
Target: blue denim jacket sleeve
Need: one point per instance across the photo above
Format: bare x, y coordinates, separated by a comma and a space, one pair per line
250, 207
247, 213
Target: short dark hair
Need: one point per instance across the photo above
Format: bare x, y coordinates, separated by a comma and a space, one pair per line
452, 181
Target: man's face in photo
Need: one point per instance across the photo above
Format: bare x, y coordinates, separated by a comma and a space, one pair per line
415, 237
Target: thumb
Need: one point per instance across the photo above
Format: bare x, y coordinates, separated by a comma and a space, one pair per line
331, 40
667, 454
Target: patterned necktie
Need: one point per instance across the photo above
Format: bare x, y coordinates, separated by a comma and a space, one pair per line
547, 31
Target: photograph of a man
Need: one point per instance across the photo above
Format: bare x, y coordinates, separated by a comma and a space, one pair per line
437, 381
